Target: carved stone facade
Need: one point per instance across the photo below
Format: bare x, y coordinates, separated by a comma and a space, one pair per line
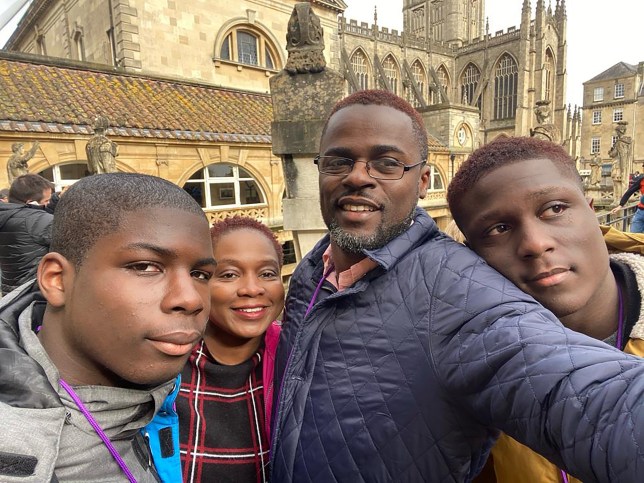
470, 85
446, 58
236, 44
613, 115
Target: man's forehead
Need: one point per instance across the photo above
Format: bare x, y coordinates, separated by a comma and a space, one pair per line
372, 117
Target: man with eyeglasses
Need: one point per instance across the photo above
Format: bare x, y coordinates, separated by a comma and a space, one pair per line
403, 353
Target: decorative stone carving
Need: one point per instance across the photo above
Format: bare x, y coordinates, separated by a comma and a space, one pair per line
545, 129
17, 162
304, 41
620, 152
101, 151
595, 172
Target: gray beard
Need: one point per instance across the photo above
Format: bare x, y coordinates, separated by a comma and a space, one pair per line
356, 244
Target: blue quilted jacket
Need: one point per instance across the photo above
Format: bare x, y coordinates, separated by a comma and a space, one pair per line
405, 375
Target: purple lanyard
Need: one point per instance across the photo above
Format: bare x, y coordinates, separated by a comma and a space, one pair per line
101, 434
618, 344
317, 290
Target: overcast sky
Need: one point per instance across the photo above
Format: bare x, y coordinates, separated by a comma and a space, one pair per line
601, 33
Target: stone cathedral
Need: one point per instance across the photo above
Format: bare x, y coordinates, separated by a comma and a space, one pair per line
184, 87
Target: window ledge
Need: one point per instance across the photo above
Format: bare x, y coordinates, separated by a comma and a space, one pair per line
241, 66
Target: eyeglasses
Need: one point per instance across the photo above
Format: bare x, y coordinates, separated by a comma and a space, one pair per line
381, 168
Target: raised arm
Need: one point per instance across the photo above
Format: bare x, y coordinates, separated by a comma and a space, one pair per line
514, 367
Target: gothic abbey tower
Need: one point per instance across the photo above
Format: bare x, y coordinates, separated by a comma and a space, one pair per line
455, 22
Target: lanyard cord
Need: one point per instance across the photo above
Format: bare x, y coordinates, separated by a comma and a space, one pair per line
317, 290
618, 344
101, 434
620, 323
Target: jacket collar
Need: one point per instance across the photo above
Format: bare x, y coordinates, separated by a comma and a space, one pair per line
422, 229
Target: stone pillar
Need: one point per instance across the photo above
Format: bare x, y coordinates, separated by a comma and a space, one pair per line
303, 94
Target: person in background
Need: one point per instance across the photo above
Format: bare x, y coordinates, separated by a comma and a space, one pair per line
521, 206
637, 184
90, 352
226, 393
4, 195
25, 230
402, 353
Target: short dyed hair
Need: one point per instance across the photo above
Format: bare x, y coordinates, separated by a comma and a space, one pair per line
502, 152
386, 98
227, 225
29, 187
95, 207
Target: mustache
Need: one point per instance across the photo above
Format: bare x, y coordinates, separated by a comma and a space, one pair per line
358, 193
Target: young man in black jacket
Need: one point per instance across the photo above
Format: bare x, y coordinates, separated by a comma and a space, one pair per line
25, 230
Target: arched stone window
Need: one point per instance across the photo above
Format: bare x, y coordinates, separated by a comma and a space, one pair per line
247, 45
469, 82
63, 175
391, 72
420, 77
361, 69
223, 185
548, 75
505, 88
443, 79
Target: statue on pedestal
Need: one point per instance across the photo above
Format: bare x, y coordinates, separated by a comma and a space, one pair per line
620, 152
101, 151
17, 162
545, 129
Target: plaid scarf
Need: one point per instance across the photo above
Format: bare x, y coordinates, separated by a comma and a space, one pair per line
221, 420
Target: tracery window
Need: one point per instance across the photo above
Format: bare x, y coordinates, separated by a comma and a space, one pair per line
469, 83
418, 20
443, 80
391, 72
361, 69
223, 185
505, 88
418, 73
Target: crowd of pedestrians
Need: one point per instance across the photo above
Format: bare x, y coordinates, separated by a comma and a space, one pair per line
138, 344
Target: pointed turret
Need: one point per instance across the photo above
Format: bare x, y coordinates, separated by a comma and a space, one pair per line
525, 13
540, 17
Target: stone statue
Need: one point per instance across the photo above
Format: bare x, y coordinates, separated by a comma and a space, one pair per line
595, 171
304, 41
620, 152
545, 129
17, 163
101, 152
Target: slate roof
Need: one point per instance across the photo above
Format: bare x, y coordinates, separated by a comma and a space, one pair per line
621, 69
40, 94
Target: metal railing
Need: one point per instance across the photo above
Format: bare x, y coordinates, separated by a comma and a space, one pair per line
620, 220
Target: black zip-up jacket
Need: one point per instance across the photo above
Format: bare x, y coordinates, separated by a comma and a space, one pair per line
25, 236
